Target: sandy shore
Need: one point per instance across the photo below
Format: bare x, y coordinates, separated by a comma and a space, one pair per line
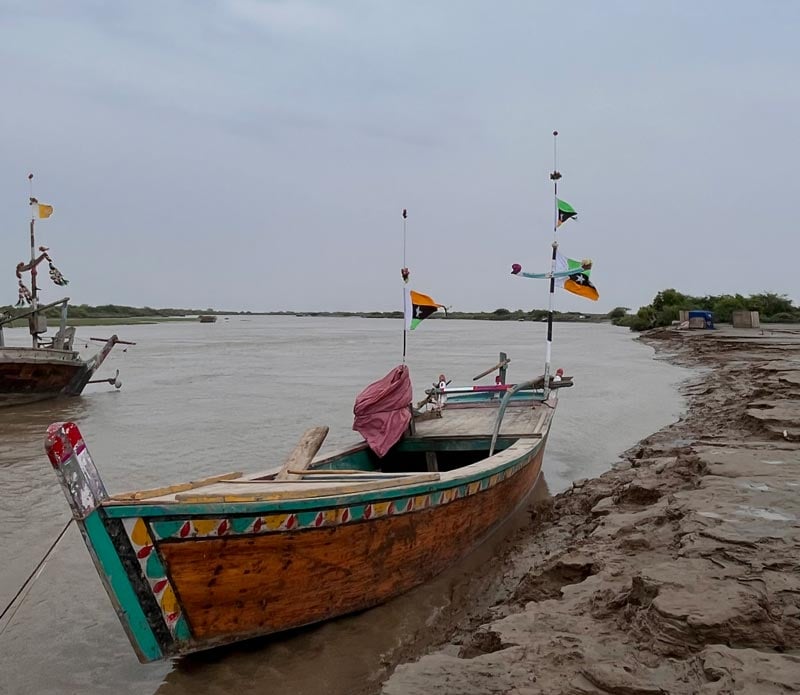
676, 572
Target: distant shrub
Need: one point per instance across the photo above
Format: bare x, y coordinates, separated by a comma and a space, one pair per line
667, 305
783, 317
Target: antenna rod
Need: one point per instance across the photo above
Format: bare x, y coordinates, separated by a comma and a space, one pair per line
554, 177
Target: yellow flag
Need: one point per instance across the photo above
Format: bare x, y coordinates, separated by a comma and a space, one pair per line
43, 211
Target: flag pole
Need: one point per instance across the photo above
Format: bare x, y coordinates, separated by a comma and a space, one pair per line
554, 177
404, 273
34, 289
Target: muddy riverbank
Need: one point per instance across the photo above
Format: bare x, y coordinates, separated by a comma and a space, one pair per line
678, 571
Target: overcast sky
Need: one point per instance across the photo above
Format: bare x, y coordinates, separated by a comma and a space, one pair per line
256, 154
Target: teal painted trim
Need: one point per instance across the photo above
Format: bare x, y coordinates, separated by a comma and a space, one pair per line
315, 503
119, 588
268, 507
480, 396
182, 631
411, 444
358, 461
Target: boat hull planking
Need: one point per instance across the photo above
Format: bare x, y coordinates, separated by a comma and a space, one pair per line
240, 586
36, 379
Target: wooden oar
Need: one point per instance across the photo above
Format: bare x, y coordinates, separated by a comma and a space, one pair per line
172, 489
499, 365
302, 454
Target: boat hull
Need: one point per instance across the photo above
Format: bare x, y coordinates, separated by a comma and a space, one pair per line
260, 584
187, 574
28, 375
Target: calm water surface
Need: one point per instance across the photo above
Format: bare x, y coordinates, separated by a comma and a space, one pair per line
199, 399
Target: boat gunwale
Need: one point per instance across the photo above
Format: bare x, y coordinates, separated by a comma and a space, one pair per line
465, 475
38, 355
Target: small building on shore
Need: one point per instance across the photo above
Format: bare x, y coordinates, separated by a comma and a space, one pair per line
696, 318
745, 319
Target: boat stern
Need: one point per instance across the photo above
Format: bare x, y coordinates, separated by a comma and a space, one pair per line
75, 469
108, 544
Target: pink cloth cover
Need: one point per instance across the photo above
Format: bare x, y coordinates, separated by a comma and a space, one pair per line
382, 410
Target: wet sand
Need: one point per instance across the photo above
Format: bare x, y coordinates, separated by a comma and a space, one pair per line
677, 571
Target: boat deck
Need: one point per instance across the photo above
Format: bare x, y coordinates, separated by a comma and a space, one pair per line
478, 420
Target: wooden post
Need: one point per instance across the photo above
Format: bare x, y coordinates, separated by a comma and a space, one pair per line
430, 461
504, 368
304, 451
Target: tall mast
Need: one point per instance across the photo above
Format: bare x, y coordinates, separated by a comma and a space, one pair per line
404, 273
554, 177
34, 289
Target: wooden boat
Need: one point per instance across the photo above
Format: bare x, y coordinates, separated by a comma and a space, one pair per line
208, 318
235, 556
50, 367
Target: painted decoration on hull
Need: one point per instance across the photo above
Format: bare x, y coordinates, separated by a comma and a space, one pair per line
153, 570
293, 521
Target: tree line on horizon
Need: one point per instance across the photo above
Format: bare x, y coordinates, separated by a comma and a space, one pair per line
120, 311
110, 311
662, 311
667, 305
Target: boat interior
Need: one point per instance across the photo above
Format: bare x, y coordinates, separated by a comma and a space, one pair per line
446, 444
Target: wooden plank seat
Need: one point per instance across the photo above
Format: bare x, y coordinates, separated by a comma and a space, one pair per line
267, 490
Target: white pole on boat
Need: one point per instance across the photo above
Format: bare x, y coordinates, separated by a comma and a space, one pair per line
554, 177
34, 294
406, 299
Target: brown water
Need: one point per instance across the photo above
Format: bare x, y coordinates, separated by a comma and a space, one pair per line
199, 399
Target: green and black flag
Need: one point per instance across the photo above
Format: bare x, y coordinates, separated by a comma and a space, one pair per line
565, 211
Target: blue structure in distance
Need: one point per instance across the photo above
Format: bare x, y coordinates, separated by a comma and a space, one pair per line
707, 316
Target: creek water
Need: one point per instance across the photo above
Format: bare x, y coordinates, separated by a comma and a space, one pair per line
200, 399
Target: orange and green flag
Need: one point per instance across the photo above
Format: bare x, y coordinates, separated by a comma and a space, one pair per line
571, 274
576, 279
418, 307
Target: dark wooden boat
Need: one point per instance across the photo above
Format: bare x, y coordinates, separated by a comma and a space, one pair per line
208, 318
50, 367
47, 370
234, 556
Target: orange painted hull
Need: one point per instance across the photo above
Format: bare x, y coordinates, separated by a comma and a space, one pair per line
235, 587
